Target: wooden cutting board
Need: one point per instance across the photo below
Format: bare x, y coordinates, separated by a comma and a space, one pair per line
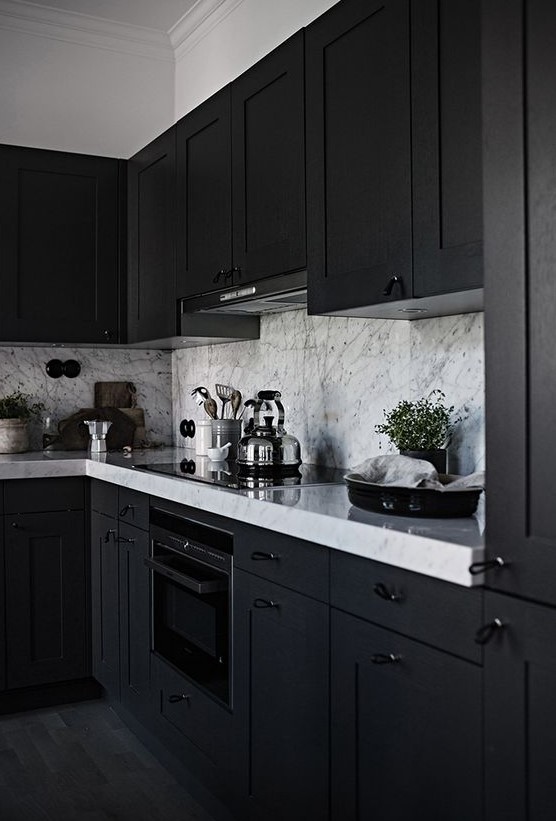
137, 415
115, 395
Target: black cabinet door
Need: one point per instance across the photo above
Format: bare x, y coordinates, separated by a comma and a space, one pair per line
446, 145
281, 700
520, 299
134, 617
2, 610
46, 598
204, 196
152, 312
406, 733
520, 682
358, 154
268, 150
105, 602
59, 250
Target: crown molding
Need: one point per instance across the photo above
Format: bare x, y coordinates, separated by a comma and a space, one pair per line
196, 23
82, 29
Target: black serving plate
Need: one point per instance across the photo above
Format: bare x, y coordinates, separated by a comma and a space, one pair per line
407, 501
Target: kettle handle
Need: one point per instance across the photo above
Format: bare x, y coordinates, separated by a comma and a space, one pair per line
273, 396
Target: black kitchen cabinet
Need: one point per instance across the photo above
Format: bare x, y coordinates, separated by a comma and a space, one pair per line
105, 602
519, 46
204, 191
46, 598
241, 178
520, 682
59, 256
281, 701
406, 732
394, 157
152, 309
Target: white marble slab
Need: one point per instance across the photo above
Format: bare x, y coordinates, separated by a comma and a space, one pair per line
443, 549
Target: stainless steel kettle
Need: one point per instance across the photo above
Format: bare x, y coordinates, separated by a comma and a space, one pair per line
267, 446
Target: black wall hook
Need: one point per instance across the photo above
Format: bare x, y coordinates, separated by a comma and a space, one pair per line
55, 368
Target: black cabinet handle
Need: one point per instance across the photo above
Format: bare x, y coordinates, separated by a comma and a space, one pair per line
107, 335
259, 556
392, 282
236, 270
487, 631
481, 567
128, 541
125, 510
259, 603
108, 534
385, 658
15, 524
177, 697
388, 595
221, 273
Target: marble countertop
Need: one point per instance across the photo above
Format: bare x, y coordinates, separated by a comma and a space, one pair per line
442, 548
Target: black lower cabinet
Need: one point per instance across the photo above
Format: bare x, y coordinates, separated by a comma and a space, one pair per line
45, 598
520, 686
134, 612
406, 735
281, 703
105, 602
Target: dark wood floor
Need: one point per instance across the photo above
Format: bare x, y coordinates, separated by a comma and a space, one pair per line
80, 763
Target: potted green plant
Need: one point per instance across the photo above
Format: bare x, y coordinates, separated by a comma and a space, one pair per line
15, 411
421, 429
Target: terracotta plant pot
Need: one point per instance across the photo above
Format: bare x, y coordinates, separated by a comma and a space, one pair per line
438, 458
14, 436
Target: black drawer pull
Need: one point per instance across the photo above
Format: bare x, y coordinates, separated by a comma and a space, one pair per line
125, 510
388, 595
221, 273
395, 280
487, 631
127, 541
481, 567
259, 556
15, 524
177, 697
385, 658
264, 603
107, 535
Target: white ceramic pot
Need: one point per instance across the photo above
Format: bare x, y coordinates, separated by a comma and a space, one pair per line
14, 436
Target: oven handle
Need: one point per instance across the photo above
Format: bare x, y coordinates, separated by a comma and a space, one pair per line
201, 587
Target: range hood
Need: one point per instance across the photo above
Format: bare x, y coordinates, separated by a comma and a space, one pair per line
280, 293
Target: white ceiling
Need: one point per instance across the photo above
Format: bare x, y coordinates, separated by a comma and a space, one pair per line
161, 15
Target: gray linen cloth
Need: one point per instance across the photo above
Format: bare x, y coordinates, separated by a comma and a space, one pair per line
404, 471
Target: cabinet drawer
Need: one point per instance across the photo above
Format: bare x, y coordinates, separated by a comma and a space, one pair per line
433, 611
44, 495
104, 498
195, 715
133, 508
294, 563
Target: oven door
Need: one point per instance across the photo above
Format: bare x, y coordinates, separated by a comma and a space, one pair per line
190, 618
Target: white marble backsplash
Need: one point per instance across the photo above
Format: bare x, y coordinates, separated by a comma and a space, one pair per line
337, 375
23, 368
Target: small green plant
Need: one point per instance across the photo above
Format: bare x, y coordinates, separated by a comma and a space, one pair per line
422, 425
18, 405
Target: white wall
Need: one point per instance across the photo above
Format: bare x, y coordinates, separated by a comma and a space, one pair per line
73, 97
251, 30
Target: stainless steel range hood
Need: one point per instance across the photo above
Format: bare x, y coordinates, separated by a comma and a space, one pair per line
280, 293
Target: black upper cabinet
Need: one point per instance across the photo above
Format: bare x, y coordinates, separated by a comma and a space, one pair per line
59, 255
204, 226
447, 153
268, 165
241, 178
520, 260
152, 312
358, 154
394, 156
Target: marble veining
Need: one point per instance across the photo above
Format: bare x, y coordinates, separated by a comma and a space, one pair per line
151, 372
337, 375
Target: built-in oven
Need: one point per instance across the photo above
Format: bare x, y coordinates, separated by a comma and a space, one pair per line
191, 566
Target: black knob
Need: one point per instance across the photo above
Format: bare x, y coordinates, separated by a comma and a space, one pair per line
15, 524
72, 368
125, 510
485, 633
107, 335
392, 282
187, 428
259, 556
388, 595
221, 273
108, 534
54, 368
260, 603
237, 271
481, 567
177, 697
127, 541
385, 658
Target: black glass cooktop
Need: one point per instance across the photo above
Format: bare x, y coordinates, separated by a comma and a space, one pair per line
227, 475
